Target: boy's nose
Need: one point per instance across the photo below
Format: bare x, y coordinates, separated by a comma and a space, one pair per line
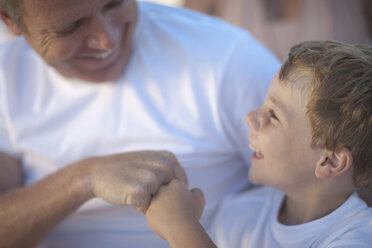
252, 121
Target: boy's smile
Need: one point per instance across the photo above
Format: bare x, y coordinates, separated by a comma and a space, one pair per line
280, 138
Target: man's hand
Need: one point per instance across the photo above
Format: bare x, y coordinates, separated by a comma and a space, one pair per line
133, 178
175, 209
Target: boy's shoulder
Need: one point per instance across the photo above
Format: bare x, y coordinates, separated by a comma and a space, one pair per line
348, 226
357, 233
250, 218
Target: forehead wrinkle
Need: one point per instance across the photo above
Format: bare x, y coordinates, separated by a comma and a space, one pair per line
74, 13
53, 13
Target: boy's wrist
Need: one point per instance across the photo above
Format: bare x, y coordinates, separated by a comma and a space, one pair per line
190, 234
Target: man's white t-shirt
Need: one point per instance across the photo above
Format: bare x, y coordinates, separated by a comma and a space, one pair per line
189, 83
250, 220
5, 35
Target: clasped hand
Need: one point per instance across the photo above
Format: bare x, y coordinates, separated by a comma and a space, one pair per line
133, 178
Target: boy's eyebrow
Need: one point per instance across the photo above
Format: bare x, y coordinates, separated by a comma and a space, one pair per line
278, 104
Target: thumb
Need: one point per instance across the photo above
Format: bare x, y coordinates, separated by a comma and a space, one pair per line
199, 201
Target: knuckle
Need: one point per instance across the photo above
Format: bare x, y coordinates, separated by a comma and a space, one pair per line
153, 180
170, 157
173, 159
163, 174
139, 196
161, 171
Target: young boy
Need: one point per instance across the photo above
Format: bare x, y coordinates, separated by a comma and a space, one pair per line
312, 143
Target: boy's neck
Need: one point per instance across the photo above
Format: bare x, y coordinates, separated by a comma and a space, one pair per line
302, 208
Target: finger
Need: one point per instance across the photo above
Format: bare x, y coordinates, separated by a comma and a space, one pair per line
140, 210
140, 200
154, 181
180, 174
199, 201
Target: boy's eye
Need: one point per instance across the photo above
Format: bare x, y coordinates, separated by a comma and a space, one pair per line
113, 4
273, 115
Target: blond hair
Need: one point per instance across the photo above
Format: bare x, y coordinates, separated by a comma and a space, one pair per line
339, 99
15, 10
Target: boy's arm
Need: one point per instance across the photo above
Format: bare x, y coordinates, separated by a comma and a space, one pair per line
174, 215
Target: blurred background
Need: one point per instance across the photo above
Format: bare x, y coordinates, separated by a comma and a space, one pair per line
279, 24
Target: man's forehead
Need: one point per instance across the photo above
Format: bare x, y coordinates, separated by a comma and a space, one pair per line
57, 10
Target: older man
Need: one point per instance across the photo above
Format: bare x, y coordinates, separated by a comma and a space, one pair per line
92, 95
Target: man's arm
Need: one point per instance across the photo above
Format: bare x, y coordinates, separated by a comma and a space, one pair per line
174, 215
11, 173
28, 213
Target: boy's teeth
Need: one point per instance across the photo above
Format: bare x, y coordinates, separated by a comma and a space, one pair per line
258, 153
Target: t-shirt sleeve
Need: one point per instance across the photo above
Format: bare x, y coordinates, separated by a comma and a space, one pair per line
5, 145
5, 132
249, 69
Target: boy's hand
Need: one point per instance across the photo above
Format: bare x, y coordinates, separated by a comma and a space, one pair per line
174, 208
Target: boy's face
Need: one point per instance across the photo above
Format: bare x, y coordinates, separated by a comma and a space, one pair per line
280, 137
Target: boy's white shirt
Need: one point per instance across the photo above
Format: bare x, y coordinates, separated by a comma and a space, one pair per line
250, 220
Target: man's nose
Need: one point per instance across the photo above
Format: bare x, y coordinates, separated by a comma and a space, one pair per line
101, 35
252, 120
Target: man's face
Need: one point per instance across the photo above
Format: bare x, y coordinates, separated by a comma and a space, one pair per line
85, 39
280, 137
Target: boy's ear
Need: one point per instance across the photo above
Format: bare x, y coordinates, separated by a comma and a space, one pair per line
12, 26
333, 163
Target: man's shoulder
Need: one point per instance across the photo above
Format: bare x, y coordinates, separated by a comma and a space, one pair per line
14, 51
18, 64
250, 202
188, 20
12, 44
241, 214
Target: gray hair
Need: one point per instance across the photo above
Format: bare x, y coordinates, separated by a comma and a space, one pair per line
15, 11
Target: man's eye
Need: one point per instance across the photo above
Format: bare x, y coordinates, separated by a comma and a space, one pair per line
113, 4
70, 29
273, 115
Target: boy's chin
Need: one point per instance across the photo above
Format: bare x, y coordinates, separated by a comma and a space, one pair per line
253, 178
